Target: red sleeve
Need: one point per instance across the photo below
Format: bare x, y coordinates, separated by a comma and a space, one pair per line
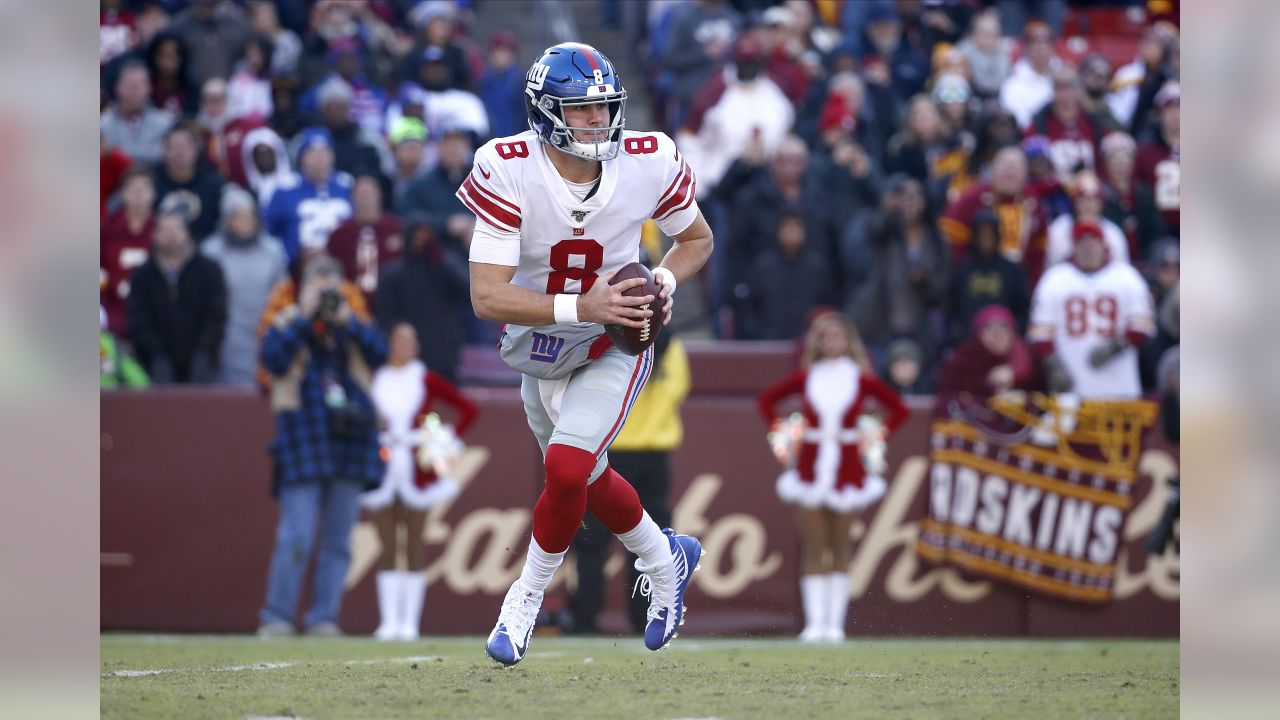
767, 401
1136, 338
876, 388
439, 387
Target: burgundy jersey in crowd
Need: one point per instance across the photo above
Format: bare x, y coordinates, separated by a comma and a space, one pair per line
1022, 225
120, 253
365, 249
1072, 147
226, 150
1158, 167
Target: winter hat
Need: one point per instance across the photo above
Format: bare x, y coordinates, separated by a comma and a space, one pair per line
991, 314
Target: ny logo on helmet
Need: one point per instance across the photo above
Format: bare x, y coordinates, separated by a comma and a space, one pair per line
537, 75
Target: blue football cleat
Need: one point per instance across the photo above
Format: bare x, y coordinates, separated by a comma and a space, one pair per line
665, 588
509, 640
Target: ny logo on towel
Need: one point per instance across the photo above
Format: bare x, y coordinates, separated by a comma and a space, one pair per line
546, 348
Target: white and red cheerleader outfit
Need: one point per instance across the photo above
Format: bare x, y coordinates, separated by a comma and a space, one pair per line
404, 396
828, 470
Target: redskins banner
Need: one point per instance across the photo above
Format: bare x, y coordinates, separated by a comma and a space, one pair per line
1035, 491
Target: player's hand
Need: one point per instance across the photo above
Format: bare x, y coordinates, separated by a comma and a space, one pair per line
664, 293
606, 304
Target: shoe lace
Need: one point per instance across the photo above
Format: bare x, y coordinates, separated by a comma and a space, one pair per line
522, 607
658, 585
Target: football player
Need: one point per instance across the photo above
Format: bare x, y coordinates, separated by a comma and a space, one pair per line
559, 210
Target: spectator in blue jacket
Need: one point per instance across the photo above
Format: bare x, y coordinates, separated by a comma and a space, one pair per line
325, 450
502, 86
304, 211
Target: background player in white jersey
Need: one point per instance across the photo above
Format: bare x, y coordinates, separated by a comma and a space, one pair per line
559, 211
1087, 317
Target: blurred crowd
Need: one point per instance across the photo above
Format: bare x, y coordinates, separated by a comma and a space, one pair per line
908, 162
243, 140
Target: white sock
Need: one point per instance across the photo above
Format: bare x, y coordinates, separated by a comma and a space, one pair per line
838, 601
539, 567
389, 597
813, 595
413, 588
648, 542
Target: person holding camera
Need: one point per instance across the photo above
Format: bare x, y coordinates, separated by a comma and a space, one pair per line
325, 452
908, 280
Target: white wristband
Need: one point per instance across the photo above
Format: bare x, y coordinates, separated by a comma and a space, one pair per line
668, 278
565, 308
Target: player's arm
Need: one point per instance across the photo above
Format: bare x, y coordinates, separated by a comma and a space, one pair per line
494, 297
685, 258
679, 217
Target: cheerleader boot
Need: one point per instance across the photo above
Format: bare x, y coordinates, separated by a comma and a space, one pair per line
389, 601
837, 598
813, 597
413, 589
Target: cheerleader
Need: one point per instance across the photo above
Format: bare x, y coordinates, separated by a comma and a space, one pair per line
825, 478
418, 449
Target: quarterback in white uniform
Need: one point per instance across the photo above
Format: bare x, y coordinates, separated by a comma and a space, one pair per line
559, 210
1087, 318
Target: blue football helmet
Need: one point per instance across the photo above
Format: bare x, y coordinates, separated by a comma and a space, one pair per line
571, 74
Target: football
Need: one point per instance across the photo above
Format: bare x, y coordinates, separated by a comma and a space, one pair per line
634, 341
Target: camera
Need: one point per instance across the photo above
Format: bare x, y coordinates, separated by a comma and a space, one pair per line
330, 304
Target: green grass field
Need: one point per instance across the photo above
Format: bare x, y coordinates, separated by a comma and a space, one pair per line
177, 676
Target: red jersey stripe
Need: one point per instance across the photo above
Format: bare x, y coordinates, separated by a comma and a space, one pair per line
683, 168
687, 201
494, 196
678, 197
466, 200
492, 208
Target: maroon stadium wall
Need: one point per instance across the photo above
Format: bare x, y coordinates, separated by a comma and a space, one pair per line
187, 525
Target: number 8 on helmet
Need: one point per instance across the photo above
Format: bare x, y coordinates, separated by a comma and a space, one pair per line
575, 74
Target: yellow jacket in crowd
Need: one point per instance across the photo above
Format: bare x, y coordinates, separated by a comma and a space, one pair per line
654, 423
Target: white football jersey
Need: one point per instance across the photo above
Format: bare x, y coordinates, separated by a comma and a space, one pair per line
1079, 311
528, 218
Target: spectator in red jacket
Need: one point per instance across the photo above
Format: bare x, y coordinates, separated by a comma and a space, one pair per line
125, 245
1022, 223
112, 164
993, 360
368, 240
1073, 135
782, 49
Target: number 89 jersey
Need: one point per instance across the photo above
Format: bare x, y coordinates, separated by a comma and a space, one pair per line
527, 216
1079, 311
